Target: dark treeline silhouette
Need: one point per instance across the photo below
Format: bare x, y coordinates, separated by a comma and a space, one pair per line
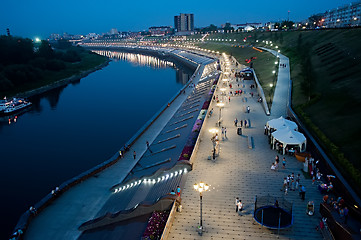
23, 62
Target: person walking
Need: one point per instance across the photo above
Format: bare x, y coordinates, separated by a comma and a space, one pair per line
147, 143
222, 133
120, 154
225, 132
241, 123
134, 154
235, 122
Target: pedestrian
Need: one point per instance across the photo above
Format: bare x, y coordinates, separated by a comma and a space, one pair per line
134, 154
229, 99
225, 132
298, 180
222, 133
237, 201
293, 183
345, 214
248, 109
265, 130
235, 122
284, 184
284, 162
241, 123
240, 205
120, 154
245, 123
147, 143
178, 191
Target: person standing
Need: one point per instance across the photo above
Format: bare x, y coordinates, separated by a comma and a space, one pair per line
120, 154
298, 180
222, 132
235, 122
237, 201
240, 206
225, 132
284, 162
178, 191
134, 154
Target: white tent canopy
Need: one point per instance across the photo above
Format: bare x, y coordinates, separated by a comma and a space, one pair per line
288, 136
279, 123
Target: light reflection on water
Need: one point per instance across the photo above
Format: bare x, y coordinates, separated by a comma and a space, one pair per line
70, 129
139, 59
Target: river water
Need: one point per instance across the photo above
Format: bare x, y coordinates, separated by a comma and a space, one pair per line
73, 128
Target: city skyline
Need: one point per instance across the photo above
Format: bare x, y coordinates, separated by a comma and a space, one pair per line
41, 18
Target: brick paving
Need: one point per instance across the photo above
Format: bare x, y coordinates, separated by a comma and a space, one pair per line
242, 172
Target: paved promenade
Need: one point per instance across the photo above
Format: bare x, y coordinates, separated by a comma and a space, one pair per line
82, 202
243, 172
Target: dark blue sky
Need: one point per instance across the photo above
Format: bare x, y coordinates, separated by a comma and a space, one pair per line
41, 17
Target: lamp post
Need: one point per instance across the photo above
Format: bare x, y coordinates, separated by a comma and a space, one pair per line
201, 187
220, 105
214, 131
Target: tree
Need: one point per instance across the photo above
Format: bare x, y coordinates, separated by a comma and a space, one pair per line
210, 28
315, 20
45, 50
287, 24
228, 27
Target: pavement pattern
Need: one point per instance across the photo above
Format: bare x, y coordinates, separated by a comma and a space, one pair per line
243, 172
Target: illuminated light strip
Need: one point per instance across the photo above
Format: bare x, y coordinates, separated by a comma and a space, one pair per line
153, 181
259, 50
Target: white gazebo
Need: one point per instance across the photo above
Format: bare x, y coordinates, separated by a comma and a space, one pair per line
288, 137
279, 123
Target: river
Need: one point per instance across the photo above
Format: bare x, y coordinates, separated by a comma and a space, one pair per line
73, 128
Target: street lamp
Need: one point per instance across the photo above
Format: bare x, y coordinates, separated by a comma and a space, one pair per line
201, 187
220, 105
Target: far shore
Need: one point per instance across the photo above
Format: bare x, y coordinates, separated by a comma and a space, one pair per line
61, 82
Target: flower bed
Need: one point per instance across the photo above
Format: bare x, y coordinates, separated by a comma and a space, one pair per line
156, 224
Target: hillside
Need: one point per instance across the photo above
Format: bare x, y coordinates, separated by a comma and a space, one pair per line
326, 78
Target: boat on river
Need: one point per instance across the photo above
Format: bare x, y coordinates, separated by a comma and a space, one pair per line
14, 105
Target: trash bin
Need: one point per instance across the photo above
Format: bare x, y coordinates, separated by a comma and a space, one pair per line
239, 131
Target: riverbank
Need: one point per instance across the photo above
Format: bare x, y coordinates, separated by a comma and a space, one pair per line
62, 82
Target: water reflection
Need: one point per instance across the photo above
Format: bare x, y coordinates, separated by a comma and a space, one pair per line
139, 59
183, 73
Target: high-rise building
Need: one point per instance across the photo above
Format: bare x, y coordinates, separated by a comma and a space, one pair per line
346, 16
184, 22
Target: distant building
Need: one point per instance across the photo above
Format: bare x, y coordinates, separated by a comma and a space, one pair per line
245, 26
160, 31
184, 23
346, 16
113, 31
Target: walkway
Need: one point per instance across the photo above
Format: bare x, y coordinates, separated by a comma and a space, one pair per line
280, 98
82, 202
241, 172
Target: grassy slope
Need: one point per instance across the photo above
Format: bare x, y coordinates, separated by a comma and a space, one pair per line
336, 83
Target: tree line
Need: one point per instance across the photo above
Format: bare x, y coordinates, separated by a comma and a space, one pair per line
22, 61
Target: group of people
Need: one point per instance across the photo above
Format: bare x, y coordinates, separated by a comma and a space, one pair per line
275, 164
178, 192
242, 123
292, 183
